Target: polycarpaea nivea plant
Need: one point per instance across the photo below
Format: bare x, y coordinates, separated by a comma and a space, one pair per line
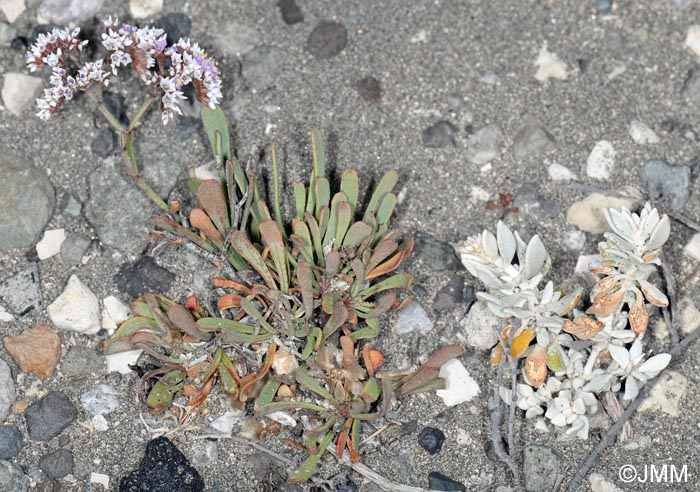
573, 359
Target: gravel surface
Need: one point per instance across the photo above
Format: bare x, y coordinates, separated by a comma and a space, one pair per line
451, 95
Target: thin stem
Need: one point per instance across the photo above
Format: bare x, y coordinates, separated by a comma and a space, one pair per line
141, 111
106, 113
129, 159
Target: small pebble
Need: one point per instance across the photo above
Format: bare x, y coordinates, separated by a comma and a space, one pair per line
532, 139
419, 290
560, 173
413, 318
50, 243
438, 481
57, 464
76, 309
142, 9
49, 416
666, 183
290, 11
12, 9
692, 39
121, 361
74, 248
541, 466
485, 144
11, 441
82, 361
431, 439
691, 87
573, 240
327, 40
450, 295
369, 89
460, 386
21, 292
260, 66
100, 400
549, 66
436, 255
105, 143
587, 214
642, 134
144, 275
601, 161
70, 205
439, 135
479, 325
36, 350
62, 12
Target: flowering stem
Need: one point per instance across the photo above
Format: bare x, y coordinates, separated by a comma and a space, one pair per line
139, 114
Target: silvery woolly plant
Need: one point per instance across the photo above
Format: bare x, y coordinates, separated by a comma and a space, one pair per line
573, 358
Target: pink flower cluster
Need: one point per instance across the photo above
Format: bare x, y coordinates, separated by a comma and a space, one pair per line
166, 68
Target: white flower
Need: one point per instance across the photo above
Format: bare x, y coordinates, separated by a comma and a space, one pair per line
569, 408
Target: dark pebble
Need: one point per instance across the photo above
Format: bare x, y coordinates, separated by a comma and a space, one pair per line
450, 295
175, 25
694, 166
438, 481
115, 104
57, 464
20, 43
185, 128
49, 416
327, 40
437, 255
348, 486
431, 439
11, 441
419, 290
21, 292
163, 468
439, 135
469, 297
105, 144
142, 276
369, 89
291, 13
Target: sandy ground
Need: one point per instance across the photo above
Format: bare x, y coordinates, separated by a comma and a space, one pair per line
429, 56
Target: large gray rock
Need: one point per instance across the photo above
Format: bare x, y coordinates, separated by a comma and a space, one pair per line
117, 208
667, 183
12, 478
261, 66
27, 201
62, 12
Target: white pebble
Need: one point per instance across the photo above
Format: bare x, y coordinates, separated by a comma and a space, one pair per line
50, 244
413, 317
141, 9
642, 134
76, 309
100, 400
692, 39
667, 394
121, 361
599, 484
460, 386
560, 173
225, 423
574, 240
99, 423
549, 66
12, 9
478, 326
601, 160
692, 249
101, 479
114, 313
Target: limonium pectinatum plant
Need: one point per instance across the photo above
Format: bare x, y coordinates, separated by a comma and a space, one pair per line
300, 298
571, 362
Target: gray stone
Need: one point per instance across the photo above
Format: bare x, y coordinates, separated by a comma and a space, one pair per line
669, 184
26, 203
175, 25
70, 205
530, 202
541, 465
204, 452
117, 209
413, 318
485, 144
19, 91
603, 6
438, 481
21, 292
74, 248
49, 416
691, 87
327, 40
64, 11
7, 33
7, 390
82, 361
450, 295
260, 66
105, 144
57, 464
234, 39
11, 441
435, 254
532, 139
441, 134
12, 478
164, 165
